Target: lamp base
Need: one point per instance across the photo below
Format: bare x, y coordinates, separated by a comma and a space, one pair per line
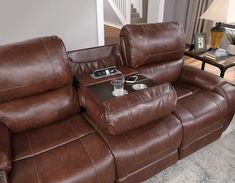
217, 34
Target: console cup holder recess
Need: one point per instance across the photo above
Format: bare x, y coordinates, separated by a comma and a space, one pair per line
139, 86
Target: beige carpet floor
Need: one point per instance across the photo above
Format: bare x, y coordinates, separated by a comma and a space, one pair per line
214, 163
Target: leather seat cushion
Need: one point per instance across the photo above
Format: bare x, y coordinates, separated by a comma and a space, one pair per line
200, 113
67, 151
143, 146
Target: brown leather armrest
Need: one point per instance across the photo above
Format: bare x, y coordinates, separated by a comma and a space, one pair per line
202, 79
128, 112
5, 149
3, 177
227, 91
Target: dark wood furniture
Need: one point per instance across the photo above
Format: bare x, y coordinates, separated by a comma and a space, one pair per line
222, 65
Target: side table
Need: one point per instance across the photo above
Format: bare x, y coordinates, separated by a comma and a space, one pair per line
223, 65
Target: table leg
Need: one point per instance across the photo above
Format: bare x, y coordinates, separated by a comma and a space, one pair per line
203, 65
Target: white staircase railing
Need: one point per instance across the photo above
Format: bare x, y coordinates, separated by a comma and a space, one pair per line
123, 10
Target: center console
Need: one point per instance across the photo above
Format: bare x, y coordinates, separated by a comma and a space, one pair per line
138, 127
116, 115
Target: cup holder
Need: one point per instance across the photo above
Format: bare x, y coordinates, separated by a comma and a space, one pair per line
139, 86
119, 93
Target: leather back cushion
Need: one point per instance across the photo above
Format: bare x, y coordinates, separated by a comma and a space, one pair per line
152, 43
32, 67
162, 73
39, 110
35, 84
85, 61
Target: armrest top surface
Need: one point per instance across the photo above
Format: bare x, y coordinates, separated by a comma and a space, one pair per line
203, 79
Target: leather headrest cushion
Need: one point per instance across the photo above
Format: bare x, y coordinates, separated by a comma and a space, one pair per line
150, 43
87, 60
33, 67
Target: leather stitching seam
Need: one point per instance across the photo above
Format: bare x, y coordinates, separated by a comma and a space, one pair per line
34, 162
92, 161
132, 148
94, 60
181, 120
212, 100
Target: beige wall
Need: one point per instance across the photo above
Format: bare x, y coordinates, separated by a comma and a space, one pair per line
75, 21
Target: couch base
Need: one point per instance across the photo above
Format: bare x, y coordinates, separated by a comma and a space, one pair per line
151, 169
201, 142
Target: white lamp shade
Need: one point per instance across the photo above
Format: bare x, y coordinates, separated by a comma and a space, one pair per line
221, 11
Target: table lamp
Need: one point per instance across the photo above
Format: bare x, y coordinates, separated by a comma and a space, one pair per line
220, 11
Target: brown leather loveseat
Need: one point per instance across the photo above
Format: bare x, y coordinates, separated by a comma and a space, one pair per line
56, 130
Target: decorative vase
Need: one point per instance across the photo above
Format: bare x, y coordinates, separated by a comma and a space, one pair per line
217, 34
231, 49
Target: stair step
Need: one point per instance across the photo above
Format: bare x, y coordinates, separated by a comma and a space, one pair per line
133, 10
135, 15
137, 20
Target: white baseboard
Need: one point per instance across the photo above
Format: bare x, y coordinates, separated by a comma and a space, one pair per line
118, 26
